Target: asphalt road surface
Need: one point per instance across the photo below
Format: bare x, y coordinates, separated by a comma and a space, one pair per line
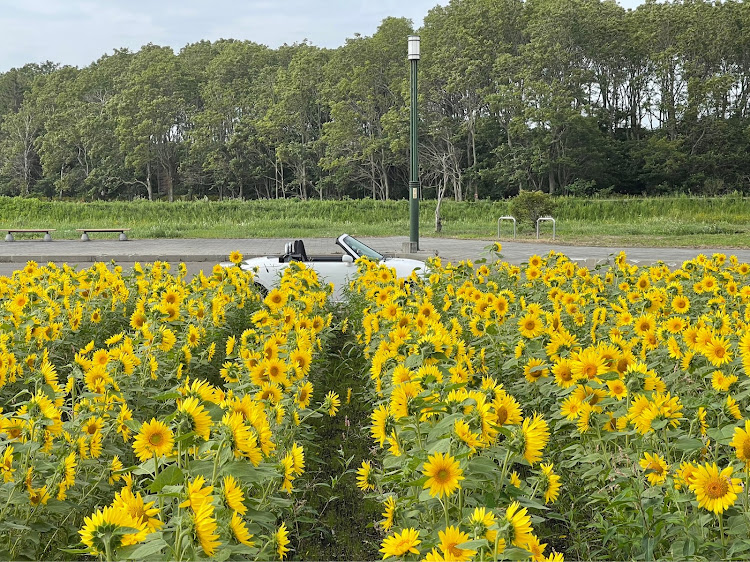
203, 254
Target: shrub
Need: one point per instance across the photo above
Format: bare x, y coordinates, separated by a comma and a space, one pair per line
528, 206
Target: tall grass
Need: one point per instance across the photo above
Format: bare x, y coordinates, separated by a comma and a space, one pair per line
632, 221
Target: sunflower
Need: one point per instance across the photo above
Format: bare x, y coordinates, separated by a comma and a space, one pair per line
239, 530
741, 442
617, 389
298, 458
535, 436
107, 526
463, 431
138, 509
332, 403
535, 369
552, 489
233, 495
481, 520
6, 464
563, 371
443, 473
281, 540
656, 468
389, 513
644, 323
364, 477
155, 439
235, 257
721, 382
275, 299
287, 466
716, 351
399, 544
685, 475
301, 359
68, 470
205, 526
269, 391
243, 440
168, 340
530, 326
449, 541
588, 364
716, 491
93, 426
536, 548
519, 529
197, 494
733, 408
507, 409
125, 415
571, 407
197, 416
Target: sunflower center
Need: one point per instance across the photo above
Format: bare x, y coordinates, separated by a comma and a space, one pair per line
746, 449
717, 487
502, 415
442, 475
657, 468
155, 439
456, 552
590, 370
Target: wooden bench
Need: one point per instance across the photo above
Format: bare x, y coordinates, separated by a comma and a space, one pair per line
85, 231
10, 231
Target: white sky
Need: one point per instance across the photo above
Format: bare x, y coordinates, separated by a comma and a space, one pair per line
78, 32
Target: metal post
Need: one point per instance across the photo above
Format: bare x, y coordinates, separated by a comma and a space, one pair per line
414, 149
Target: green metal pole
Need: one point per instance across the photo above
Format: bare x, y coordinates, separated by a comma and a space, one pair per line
414, 149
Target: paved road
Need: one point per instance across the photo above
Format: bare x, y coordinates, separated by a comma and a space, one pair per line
204, 253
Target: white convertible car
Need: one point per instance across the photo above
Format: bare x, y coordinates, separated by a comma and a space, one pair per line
334, 268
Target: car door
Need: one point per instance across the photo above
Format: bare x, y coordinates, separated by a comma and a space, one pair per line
337, 272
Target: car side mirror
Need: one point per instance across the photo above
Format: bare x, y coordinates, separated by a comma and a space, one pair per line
347, 259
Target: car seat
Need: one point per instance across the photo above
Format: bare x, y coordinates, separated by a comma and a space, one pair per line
294, 251
298, 251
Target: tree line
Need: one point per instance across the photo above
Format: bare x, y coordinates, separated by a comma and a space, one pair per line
563, 96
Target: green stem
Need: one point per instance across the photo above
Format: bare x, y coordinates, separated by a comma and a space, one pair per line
445, 509
216, 462
419, 433
108, 549
723, 538
161, 497
505, 468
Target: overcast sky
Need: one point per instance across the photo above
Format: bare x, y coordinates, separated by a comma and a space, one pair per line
78, 32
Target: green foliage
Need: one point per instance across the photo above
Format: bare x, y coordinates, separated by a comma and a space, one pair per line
634, 221
528, 206
551, 95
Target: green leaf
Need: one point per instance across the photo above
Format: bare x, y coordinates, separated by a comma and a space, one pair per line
442, 446
144, 550
170, 476
74, 550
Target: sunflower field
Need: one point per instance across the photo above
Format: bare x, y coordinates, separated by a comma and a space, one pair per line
548, 410
482, 411
146, 416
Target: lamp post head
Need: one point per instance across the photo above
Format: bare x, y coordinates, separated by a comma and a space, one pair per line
413, 47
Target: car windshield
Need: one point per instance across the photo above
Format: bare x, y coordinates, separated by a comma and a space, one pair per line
361, 249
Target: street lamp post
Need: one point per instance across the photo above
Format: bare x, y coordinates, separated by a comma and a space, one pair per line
414, 156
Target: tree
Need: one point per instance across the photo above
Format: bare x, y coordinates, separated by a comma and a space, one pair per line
367, 133
295, 119
153, 116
